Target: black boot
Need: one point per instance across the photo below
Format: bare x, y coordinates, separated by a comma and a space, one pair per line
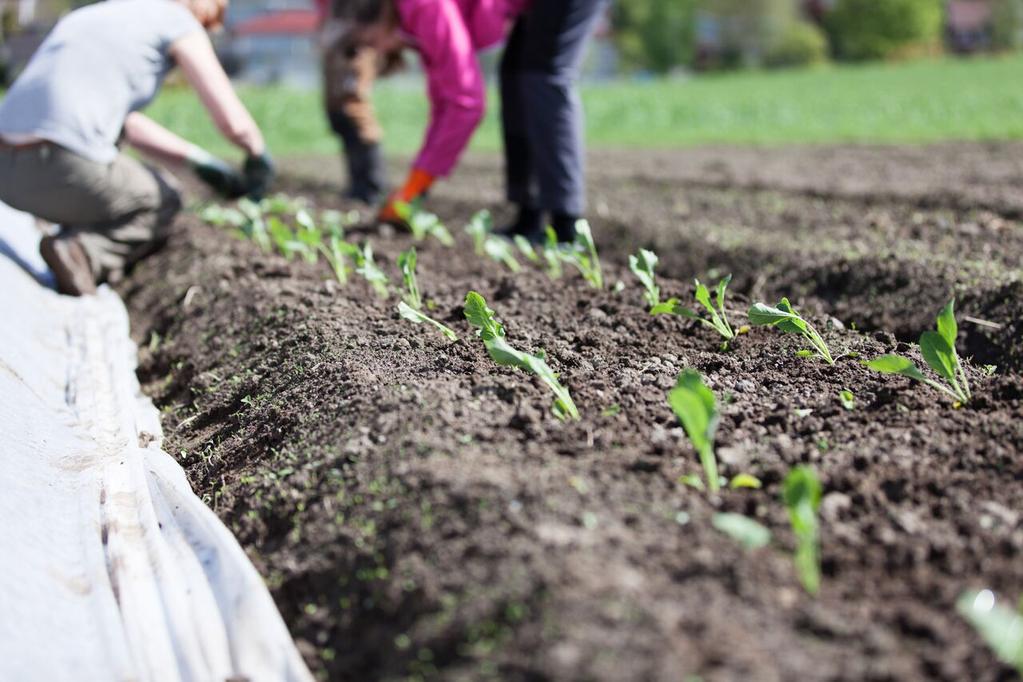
528, 224
564, 226
365, 172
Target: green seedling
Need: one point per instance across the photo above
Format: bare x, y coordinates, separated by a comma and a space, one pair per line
221, 216
744, 530
285, 239
1000, 626
407, 266
411, 308
255, 227
939, 351
847, 399
526, 248
745, 481
552, 255
802, 496
418, 317
501, 250
695, 406
366, 266
784, 317
479, 228
338, 252
423, 224
308, 232
718, 317
642, 266
492, 333
583, 255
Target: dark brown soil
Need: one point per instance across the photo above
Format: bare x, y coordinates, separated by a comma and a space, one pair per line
419, 513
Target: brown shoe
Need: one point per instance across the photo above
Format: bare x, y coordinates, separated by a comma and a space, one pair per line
70, 264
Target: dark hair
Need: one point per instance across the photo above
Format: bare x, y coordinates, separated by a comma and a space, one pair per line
363, 12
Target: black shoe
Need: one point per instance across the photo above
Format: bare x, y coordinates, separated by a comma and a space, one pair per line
528, 224
564, 227
365, 172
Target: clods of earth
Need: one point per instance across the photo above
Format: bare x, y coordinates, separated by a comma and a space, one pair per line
419, 513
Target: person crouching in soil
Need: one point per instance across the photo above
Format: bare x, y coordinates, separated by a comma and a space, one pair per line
541, 110
63, 120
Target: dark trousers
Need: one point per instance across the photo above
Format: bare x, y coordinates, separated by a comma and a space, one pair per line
541, 111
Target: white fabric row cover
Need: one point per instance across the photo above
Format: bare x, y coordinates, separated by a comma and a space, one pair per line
110, 567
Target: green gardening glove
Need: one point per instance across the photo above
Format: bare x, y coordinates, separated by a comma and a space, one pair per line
217, 174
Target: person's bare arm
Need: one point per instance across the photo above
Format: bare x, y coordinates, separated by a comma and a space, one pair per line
152, 139
198, 62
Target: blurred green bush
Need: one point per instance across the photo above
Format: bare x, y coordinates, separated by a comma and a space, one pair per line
884, 29
800, 44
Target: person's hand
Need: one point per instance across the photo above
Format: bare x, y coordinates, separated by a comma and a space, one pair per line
259, 173
415, 186
216, 173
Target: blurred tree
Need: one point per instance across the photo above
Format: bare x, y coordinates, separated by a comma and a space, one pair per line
770, 32
1007, 24
880, 29
657, 35
801, 44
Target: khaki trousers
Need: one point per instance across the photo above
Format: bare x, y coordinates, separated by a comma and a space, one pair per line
349, 74
120, 212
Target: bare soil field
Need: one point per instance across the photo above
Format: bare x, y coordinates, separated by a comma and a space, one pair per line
419, 512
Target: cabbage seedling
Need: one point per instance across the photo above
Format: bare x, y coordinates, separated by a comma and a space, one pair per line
583, 255
718, 317
407, 266
367, 267
744, 530
642, 266
939, 351
1000, 626
802, 496
526, 248
784, 317
501, 250
479, 228
423, 224
337, 252
552, 255
411, 308
285, 239
308, 232
492, 333
418, 317
696, 407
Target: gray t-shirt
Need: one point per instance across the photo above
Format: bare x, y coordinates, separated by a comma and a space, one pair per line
99, 64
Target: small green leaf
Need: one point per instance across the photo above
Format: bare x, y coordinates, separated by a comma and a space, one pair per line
695, 406
419, 317
722, 288
801, 492
1000, 626
847, 399
745, 481
742, 529
612, 410
939, 355
947, 326
693, 481
896, 364
482, 317
703, 296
